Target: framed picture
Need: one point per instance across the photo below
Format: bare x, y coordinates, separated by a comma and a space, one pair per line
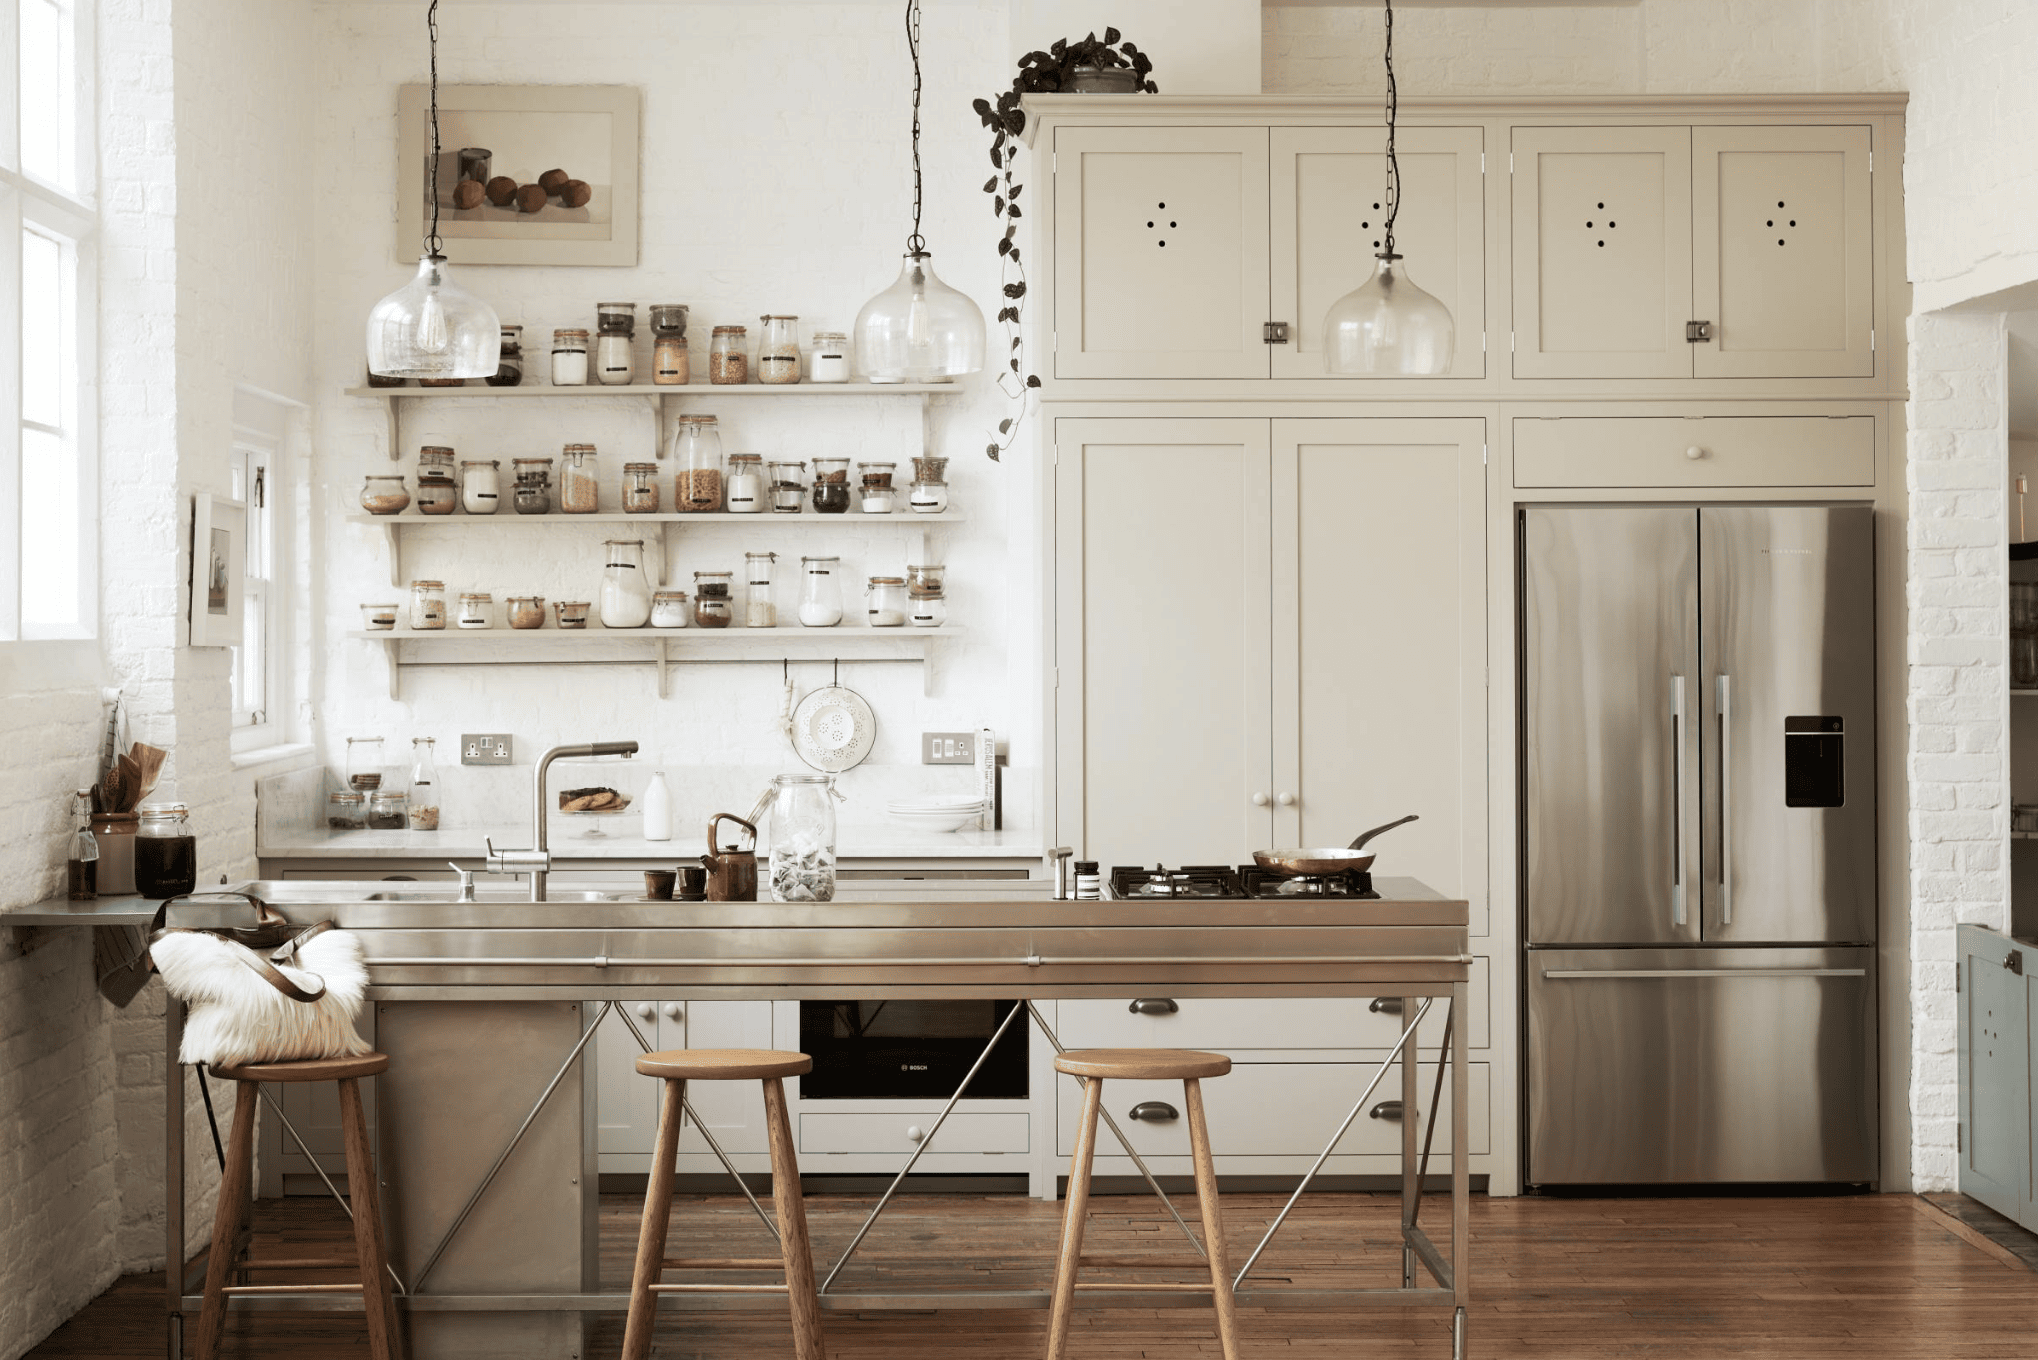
553, 170
219, 562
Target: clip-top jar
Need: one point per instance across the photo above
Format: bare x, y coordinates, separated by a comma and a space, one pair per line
885, 601
831, 485
569, 358
427, 606
640, 488
787, 493
509, 369
778, 350
481, 486
803, 838
696, 464
438, 493
711, 603
625, 593
878, 496
614, 365
747, 492
760, 610
669, 359
383, 493
579, 491
820, 591
534, 485
165, 851
728, 357
831, 358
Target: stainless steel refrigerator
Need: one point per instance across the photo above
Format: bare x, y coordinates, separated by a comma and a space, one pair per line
1698, 843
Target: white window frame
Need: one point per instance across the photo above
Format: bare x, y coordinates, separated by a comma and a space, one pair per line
254, 717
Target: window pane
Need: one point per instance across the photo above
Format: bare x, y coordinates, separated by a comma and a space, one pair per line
42, 329
251, 658
49, 534
45, 92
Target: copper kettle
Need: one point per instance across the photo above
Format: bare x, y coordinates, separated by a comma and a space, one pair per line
732, 873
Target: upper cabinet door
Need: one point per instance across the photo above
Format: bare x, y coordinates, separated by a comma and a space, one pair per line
1160, 266
1602, 252
1327, 213
1783, 252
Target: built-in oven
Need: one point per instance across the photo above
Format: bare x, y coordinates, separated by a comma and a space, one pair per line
910, 1050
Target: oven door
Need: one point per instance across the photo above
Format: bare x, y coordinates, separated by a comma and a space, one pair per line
910, 1050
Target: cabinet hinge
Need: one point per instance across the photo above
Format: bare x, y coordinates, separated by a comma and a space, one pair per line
2015, 962
1697, 332
1275, 333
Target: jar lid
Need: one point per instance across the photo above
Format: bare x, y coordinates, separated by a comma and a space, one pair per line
732, 330
1086, 866
532, 462
819, 336
435, 452
420, 585
571, 450
572, 333
512, 330
820, 559
746, 457
888, 580
615, 306
819, 461
701, 574
385, 476
480, 462
624, 542
640, 467
698, 420
772, 317
668, 597
476, 597
162, 809
526, 599
378, 606
793, 463
347, 799
391, 796
892, 465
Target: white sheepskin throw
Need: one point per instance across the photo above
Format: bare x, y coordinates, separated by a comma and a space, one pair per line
238, 1017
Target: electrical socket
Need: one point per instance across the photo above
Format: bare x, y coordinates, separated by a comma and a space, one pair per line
948, 748
485, 748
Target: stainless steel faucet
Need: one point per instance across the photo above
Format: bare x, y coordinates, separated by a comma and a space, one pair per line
538, 860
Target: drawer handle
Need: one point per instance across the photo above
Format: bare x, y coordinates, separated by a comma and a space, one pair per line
1154, 1005
1154, 1111
1387, 1005
914, 1133
1386, 1109
1694, 452
672, 1011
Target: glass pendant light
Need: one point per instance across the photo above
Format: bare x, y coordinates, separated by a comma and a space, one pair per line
919, 330
432, 327
1388, 327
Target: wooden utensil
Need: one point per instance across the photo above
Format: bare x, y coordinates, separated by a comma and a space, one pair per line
130, 784
115, 786
150, 760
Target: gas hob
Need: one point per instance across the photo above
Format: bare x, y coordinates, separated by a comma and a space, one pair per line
1221, 883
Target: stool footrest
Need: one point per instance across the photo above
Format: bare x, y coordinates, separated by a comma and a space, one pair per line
1145, 1263
1203, 1288
332, 1263
722, 1263
718, 1288
291, 1289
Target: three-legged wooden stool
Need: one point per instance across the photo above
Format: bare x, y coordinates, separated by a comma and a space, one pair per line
1140, 1064
676, 1067
237, 1184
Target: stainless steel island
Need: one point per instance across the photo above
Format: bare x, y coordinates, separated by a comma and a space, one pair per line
485, 1122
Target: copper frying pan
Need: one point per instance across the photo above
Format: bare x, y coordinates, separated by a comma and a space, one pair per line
1316, 862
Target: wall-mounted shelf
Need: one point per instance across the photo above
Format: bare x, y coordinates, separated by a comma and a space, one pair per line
660, 647
2016, 693
657, 526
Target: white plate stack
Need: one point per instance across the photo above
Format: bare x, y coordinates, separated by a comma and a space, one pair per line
935, 814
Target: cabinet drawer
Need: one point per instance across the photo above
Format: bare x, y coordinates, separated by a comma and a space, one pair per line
992, 1131
1226, 1024
1598, 451
1269, 1110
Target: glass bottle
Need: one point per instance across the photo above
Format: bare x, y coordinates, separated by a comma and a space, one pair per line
879, 496
711, 607
778, 350
831, 485
885, 601
509, 369
728, 357
747, 492
614, 364
534, 485
427, 606
83, 867
569, 358
669, 359
424, 785
364, 764
803, 838
820, 591
787, 492
480, 486
625, 593
383, 493
640, 488
831, 358
165, 851
759, 610
697, 464
579, 491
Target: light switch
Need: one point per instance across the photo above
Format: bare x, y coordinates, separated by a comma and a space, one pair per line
948, 748
485, 748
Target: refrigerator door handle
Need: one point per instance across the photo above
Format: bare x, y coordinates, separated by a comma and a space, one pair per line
1725, 703
1581, 974
1676, 800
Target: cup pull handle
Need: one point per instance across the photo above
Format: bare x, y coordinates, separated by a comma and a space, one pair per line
1386, 1109
1154, 1005
1386, 1005
1154, 1111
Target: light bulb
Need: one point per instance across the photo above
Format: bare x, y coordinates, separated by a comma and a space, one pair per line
430, 331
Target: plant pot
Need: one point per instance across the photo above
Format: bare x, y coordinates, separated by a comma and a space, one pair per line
1103, 80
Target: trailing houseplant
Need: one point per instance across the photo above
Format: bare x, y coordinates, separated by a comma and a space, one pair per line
1108, 63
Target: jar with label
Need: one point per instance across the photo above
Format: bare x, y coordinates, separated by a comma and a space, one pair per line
748, 494
509, 369
579, 491
759, 609
820, 591
427, 606
668, 609
438, 493
383, 493
388, 810
346, 811
364, 764
572, 614
877, 495
831, 485
778, 350
534, 485
625, 591
477, 610
424, 785
831, 358
527, 611
729, 356
926, 607
885, 601
696, 457
788, 491
569, 358
640, 488
932, 467
669, 359
711, 599
616, 322
378, 618
165, 851
480, 486
928, 498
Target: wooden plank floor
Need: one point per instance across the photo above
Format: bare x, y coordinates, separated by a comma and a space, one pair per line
1863, 1277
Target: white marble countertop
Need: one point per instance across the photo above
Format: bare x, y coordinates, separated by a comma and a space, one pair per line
852, 842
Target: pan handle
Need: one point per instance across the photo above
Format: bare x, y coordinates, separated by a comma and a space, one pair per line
1365, 836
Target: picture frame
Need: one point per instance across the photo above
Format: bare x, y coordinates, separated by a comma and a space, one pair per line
521, 132
219, 566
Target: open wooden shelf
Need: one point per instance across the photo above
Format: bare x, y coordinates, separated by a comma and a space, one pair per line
799, 389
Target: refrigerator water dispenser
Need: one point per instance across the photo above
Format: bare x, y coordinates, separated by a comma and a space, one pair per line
1814, 763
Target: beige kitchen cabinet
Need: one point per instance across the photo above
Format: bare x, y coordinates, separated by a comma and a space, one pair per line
1694, 451
1680, 252
1326, 219
628, 1103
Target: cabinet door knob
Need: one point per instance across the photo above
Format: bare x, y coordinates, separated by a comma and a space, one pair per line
1694, 452
672, 1010
646, 1011
1259, 800
1285, 799
914, 1133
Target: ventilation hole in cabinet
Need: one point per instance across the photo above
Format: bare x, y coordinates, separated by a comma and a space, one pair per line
1602, 245
1164, 245
1150, 224
1771, 222
1779, 202
1611, 224
1602, 207
1588, 225
1779, 240
1171, 224
1793, 221
1164, 207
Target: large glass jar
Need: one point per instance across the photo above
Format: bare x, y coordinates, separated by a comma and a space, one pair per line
759, 609
427, 606
614, 363
534, 485
728, 357
878, 495
579, 487
820, 591
569, 358
480, 486
924, 596
509, 369
885, 601
788, 491
346, 811
697, 464
803, 838
711, 605
778, 350
424, 785
747, 492
477, 610
625, 593
669, 359
640, 488
383, 493
388, 810
831, 485
831, 358
527, 611
165, 851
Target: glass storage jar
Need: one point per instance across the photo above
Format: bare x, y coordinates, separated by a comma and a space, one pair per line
625, 592
932, 467
477, 610
640, 488
346, 811
787, 489
696, 456
925, 579
803, 838
831, 485
379, 618
759, 609
668, 609
614, 363
427, 605
747, 494
831, 358
480, 486
436, 460
876, 492
424, 785
383, 493
885, 601
364, 764
527, 611
928, 498
569, 358
533, 494
438, 493
669, 366
509, 369
572, 614
579, 489
820, 591
165, 851
927, 611
728, 357
388, 810
711, 606
778, 350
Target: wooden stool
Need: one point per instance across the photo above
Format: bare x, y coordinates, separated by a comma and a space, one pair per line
676, 1067
1097, 1065
236, 1187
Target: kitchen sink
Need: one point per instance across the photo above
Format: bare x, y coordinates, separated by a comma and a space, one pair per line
451, 893
314, 891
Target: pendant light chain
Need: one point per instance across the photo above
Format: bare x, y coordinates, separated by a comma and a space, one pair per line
433, 245
915, 244
1393, 163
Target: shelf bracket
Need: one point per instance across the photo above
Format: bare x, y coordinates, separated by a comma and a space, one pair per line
391, 648
664, 660
394, 541
661, 565
393, 405
656, 401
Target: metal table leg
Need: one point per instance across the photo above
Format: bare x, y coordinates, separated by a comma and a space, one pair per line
1411, 1184
173, 1170
1461, 1178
